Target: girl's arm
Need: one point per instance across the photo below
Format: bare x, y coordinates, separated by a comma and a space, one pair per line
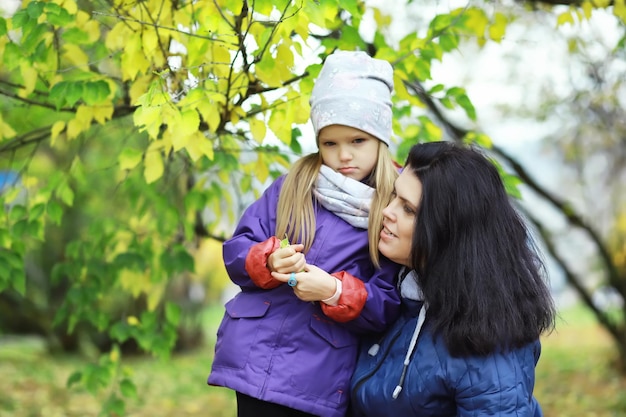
363, 306
255, 229
367, 306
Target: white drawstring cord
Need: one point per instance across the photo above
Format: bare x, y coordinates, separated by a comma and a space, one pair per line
416, 332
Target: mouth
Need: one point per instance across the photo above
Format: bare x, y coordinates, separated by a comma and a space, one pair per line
344, 170
388, 232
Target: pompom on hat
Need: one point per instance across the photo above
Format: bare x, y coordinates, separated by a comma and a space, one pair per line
354, 89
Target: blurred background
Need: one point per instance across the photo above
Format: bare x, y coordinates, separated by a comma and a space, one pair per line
134, 134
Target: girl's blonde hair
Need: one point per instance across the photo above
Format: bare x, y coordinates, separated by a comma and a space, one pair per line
295, 216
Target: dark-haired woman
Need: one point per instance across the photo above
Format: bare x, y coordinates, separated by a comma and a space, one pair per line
474, 299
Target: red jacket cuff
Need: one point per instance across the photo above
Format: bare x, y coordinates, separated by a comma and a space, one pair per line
352, 299
256, 263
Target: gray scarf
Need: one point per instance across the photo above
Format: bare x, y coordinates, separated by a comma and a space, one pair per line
345, 197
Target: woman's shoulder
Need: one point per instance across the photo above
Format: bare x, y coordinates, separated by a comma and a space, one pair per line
497, 367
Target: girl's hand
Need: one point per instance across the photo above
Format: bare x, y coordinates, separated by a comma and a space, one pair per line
287, 259
313, 284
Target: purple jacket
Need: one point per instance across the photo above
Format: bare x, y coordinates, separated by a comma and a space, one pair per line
277, 348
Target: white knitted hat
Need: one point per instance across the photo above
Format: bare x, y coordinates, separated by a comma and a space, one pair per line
354, 89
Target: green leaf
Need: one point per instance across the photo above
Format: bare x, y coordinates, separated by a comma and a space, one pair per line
36, 211
20, 228
34, 38
449, 42
12, 56
35, 9
129, 158
467, 105
95, 92
172, 313
3, 26
74, 378
75, 35
57, 15
440, 22
115, 406
20, 19
17, 212
128, 389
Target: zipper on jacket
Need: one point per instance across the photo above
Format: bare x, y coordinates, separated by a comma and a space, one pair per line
384, 354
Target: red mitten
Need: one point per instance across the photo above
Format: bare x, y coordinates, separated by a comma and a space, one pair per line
352, 299
256, 263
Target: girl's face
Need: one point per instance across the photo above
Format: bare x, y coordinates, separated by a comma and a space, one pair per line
399, 218
349, 151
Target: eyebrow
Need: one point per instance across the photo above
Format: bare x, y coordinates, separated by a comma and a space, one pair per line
404, 200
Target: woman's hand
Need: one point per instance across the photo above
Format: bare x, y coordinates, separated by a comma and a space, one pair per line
288, 259
312, 284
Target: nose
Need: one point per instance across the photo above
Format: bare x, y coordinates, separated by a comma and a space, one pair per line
388, 211
345, 154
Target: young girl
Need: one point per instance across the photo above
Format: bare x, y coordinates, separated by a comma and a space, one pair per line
288, 341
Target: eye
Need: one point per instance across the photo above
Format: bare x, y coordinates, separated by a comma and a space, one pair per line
328, 143
359, 140
408, 209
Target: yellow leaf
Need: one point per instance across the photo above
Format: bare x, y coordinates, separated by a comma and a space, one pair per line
148, 118
114, 355
587, 7
73, 54
133, 60
129, 158
155, 295
153, 163
6, 131
102, 113
301, 116
302, 28
619, 10
189, 122
498, 28
57, 128
92, 29
221, 60
258, 129
563, 18
139, 87
132, 320
261, 168
198, 146
476, 20
278, 125
284, 58
210, 110
69, 5
29, 75
82, 122
433, 131
116, 38
177, 140
150, 41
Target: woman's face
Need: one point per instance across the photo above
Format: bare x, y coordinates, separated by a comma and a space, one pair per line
399, 218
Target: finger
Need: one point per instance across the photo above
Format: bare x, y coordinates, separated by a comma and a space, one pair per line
280, 276
298, 247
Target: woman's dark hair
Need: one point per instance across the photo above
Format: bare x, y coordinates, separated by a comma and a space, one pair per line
476, 262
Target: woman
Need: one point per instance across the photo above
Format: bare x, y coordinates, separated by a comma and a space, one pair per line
473, 300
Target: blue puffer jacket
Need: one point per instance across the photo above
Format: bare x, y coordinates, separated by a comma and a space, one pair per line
436, 384
275, 347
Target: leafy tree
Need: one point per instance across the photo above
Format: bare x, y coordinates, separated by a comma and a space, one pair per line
135, 128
